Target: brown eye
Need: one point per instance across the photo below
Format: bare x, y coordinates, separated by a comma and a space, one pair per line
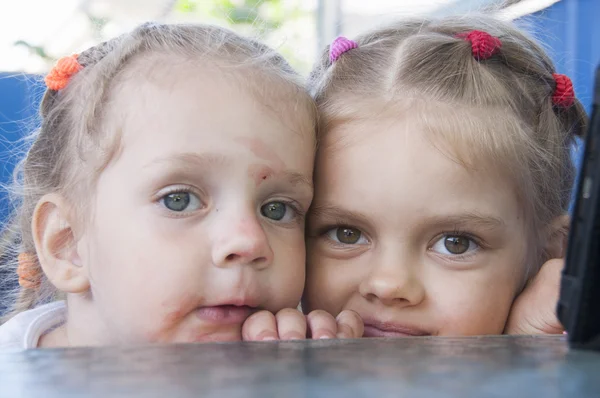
348, 235
457, 244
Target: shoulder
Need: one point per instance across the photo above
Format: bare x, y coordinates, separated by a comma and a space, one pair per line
24, 330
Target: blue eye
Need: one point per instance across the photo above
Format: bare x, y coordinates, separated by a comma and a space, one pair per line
278, 211
181, 201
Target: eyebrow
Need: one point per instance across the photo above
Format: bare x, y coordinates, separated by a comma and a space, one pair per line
295, 179
472, 219
193, 161
468, 218
338, 213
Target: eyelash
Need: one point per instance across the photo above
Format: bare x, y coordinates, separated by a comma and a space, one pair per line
176, 189
462, 233
468, 235
322, 232
294, 206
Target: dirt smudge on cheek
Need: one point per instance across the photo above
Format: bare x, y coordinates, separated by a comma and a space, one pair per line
175, 310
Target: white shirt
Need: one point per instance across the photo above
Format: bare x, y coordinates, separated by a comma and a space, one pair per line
24, 330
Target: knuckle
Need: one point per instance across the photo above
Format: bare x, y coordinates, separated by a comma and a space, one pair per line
288, 312
318, 314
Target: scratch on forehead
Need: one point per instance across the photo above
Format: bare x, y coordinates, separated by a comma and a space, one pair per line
262, 151
259, 173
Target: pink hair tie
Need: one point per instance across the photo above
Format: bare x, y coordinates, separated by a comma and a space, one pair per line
483, 45
340, 46
564, 95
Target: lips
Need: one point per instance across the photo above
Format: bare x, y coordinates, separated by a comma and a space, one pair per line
375, 328
225, 314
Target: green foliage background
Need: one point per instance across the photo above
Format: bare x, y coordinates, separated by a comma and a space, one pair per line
263, 19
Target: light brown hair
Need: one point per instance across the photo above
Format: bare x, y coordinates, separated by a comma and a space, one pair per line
496, 113
72, 146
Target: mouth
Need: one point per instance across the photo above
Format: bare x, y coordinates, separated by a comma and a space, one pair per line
226, 314
389, 329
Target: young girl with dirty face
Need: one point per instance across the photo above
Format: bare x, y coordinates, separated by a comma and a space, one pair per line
442, 178
163, 197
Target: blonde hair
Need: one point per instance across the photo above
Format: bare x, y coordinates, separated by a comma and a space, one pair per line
71, 133
497, 110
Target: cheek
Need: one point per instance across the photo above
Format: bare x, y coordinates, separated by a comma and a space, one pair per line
330, 283
287, 273
472, 304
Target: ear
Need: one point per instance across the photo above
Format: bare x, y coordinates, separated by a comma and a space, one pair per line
557, 237
56, 245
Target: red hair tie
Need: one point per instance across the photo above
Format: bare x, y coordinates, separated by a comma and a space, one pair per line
59, 76
564, 95
483, 45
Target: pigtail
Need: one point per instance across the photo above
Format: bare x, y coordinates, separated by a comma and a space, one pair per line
22, 268
574, 119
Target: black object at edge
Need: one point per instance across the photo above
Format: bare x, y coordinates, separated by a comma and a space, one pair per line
578, 308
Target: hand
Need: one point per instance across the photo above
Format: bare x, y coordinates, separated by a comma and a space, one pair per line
534, 310
291, 324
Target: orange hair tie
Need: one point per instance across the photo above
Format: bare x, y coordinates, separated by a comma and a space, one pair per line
29, 272
59, 76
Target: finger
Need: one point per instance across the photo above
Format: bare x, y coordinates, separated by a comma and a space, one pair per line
291, 324
350, 325
550, 273
534, 310
321, 324
260, 326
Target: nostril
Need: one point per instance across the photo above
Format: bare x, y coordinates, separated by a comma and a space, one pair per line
231, 257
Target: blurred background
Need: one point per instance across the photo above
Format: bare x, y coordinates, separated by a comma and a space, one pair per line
35, 33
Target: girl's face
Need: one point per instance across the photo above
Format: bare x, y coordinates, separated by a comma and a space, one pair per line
198, 220
410, 239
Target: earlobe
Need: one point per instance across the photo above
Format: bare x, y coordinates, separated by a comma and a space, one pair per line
558, 233
56, 245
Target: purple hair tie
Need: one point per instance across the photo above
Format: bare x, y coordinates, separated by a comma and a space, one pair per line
340, 46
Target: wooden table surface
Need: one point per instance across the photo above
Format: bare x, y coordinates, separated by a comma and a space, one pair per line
498, 366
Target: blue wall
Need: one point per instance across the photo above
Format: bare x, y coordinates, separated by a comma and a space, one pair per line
571, 31
19, 101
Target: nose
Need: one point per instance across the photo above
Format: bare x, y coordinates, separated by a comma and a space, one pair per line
242, 242
393, 281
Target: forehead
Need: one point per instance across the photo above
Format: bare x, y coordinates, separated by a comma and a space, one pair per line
178, 106
389, 168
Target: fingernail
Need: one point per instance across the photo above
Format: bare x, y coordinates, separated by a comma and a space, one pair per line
269, 338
